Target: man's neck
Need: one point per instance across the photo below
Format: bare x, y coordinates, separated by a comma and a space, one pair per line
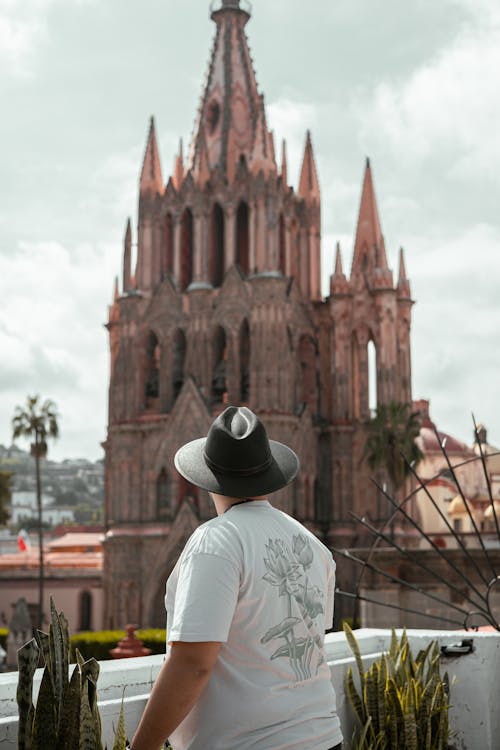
223, 503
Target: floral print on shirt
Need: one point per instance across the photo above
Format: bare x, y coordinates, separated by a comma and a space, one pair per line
287, 570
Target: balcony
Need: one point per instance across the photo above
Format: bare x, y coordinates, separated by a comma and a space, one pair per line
474, 678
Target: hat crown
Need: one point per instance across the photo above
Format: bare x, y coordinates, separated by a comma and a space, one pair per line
237, 443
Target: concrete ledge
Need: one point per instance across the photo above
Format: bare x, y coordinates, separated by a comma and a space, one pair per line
475, 685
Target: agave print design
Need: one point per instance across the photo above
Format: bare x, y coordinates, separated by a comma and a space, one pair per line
287, 570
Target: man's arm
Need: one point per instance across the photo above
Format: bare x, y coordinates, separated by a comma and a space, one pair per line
180, 682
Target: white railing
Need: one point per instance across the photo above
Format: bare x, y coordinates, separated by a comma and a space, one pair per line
475, 686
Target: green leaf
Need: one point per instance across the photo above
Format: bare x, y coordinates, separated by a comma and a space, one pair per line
120, 742
87, 729
27, 660
382, 684
353, 645
69, 718
354, 698
43, 642
370, 697
45, 720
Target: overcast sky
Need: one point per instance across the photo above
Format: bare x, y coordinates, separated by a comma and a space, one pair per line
413, 85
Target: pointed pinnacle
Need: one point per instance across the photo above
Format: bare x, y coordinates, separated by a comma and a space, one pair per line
309, 184
284, 164
151, 179
116, 292
402, 265
338, 261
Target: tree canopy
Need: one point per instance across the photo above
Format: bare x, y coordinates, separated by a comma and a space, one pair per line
5, 496
36, 422
392, 434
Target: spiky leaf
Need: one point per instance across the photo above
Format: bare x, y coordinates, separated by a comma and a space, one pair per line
69, 718
354, 698
27, 660
120, 742
45, 719
353, 645
43, 642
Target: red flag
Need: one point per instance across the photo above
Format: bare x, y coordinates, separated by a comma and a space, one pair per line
22, 541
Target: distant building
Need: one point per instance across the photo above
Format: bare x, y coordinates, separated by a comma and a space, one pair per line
73, 576
225, 306
24, 507
473, 482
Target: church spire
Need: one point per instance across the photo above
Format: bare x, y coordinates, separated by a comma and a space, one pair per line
338, 282
127, 258
263, 150
309, 183
369, 246
229, 112
404, 292
284, 165
151, 179
178, 176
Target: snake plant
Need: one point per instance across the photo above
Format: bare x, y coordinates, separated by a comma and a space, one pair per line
399, 703
66, 715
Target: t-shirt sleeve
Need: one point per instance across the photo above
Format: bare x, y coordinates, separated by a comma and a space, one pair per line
205, 599
330, 592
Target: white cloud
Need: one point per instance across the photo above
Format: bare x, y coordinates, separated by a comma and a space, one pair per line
456, 357
448, 108
54, 304
23, 29
290, 119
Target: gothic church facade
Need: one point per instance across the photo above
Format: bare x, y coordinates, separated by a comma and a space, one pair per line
224, 306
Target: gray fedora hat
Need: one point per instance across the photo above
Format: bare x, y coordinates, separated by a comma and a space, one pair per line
237, 459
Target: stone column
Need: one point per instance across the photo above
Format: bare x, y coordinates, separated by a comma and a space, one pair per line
229, 238
199, 266
177, 248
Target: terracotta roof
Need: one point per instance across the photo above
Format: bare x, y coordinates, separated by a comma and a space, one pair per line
429, 443
79, 542
53, 560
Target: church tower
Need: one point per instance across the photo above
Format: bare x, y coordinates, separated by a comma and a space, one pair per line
224, 306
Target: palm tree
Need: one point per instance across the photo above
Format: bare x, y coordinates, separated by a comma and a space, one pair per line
5, 495
391, 438
38, 423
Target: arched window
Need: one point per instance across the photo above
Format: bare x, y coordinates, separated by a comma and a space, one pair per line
163, 496
244, 362
282, 246
85, 610
152, 380
186, 249
216, 258
372, 377
307, 363
188, 491
243, 238
356, 395
178, 361
295, 249
219, 385
167, 259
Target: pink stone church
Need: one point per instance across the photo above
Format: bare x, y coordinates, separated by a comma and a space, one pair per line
224, 306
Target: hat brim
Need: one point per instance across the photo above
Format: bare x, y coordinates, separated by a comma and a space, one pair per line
190, 462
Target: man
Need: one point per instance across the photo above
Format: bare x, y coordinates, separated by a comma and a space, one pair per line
247, 607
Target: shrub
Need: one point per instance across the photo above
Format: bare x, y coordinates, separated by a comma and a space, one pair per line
98, 644
402, 702
66, 714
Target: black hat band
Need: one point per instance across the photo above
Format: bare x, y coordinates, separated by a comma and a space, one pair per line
215, 467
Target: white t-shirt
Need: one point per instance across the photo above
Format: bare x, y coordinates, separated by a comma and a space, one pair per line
260, 583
